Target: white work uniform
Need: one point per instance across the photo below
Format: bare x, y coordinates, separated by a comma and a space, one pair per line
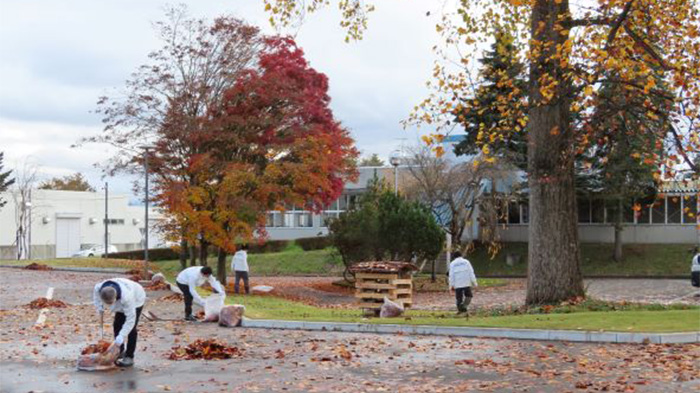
131, 296
695, 266
462, 274
239, 262
193, 278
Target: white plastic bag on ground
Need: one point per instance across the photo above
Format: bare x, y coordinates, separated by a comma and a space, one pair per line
99, 361
390, 309
262, 288
158, 277
231, 316
212, 307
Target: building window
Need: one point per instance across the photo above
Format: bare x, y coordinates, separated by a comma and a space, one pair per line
597, 211
690, 208
673, 206
584, 211
114, 221
513, 213
658, 212
643, 215
525, 213
327, 217
303, 220
628, 212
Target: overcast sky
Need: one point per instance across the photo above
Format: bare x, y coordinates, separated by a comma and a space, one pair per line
57, 57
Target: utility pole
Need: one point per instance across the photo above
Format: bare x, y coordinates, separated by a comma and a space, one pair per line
29, 226
145, 248
106, 254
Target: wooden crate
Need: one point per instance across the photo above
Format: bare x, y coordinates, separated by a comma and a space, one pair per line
371, 288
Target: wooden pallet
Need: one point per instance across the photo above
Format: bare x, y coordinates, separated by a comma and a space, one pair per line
372, 288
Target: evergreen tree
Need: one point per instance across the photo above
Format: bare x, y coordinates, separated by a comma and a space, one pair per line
619, 167
5, 180
502, 75
373, 160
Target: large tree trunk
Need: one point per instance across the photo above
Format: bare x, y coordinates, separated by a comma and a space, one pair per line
554, 273
183, 254
221, 267
617, 254
203, 252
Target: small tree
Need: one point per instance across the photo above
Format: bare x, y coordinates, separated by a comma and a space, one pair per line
5, 180
373, 160
74, 182
386, 226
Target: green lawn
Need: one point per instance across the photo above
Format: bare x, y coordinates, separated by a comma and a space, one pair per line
639, 259
640, 319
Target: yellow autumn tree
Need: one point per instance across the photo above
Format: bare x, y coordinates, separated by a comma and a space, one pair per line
570, 50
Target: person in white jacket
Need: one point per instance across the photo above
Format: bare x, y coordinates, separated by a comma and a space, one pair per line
462, 278
239, 265
189, 279
126, 299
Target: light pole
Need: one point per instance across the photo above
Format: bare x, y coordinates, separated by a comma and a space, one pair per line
395, 160
28, 205
106, 254
146, 152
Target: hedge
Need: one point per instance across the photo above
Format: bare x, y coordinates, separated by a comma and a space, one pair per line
314, 243
154, 254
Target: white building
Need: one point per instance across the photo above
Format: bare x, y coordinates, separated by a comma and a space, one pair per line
63, 222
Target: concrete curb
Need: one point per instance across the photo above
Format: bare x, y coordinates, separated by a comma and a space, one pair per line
75, 269
516, 334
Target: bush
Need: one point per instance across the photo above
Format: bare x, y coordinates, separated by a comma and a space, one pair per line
154, 254
385, 226
314, 243
268, 246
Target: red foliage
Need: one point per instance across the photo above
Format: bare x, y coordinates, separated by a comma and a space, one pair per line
37, 266
100, 347
204, 349
272, 142
43, 302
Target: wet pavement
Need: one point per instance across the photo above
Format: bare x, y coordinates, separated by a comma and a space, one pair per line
43, 359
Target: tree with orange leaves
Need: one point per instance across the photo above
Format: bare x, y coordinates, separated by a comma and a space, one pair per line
570, 50
272, 142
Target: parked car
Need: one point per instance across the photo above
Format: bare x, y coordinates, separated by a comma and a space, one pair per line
92, 250
695, 270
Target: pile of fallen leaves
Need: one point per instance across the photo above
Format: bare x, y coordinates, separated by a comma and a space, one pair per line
37, 266
204, 349
158, 286
101, 347
43, 302
174, 297
138, 275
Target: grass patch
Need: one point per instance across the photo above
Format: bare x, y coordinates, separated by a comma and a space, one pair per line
596, 260
630, 318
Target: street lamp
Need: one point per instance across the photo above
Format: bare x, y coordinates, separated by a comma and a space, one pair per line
146, 153
395, 160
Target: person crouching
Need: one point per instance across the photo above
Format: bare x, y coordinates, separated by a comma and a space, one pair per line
189, 279
126, 299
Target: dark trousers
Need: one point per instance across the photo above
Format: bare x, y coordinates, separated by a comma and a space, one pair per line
464, 298
119, 319
238, 276
188, 298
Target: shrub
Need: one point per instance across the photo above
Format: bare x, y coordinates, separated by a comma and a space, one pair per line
314, 243
384, 226
268, 246
154, 254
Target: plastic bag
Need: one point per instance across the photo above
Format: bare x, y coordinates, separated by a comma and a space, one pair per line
390, 309
231, 316
262, 288
212, 307
99, 361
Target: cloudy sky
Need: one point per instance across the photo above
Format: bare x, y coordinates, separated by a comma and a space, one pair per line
57, 57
